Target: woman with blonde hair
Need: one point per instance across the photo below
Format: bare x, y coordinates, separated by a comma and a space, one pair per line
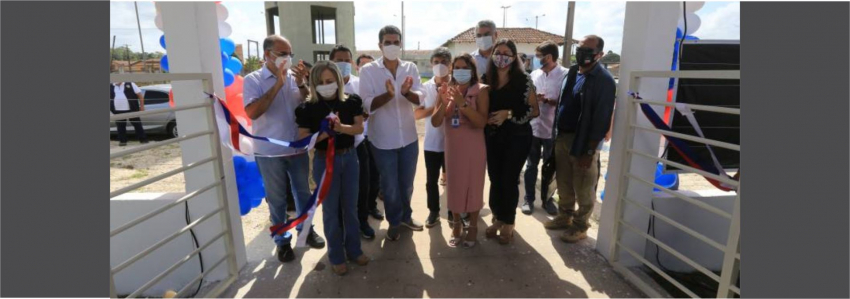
344, 112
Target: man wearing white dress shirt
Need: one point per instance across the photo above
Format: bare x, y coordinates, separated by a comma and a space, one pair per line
547, 78
485, 37
391, 89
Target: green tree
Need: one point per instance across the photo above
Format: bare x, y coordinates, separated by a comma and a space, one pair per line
251, 64
610, 57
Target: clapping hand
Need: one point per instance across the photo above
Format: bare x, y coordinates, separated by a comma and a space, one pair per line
300, 71
405, 86
390, 88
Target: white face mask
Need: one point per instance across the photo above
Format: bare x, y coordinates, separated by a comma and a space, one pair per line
286, 61
440, 70
392, 52
484, 43
327, 90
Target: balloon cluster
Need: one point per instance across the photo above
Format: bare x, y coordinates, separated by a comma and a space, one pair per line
249, 183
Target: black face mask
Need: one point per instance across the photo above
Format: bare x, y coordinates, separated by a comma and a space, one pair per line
585, 56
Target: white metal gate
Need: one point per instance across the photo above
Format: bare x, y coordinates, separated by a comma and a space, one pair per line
731, 250
218, 186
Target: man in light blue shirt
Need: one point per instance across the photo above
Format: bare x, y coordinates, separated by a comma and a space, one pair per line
271, 95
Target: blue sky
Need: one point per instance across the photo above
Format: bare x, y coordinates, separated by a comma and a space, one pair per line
430, 23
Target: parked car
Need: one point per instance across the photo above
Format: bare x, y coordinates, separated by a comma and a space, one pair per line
156, 97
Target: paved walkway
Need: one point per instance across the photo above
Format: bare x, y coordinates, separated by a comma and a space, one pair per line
421, 264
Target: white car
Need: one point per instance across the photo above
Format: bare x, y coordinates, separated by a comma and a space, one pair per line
156, 97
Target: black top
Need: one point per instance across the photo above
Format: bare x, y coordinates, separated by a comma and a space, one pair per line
587, 113
309, 115
513, 96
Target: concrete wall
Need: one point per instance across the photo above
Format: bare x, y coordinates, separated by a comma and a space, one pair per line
125, 245
704, 222
296, 25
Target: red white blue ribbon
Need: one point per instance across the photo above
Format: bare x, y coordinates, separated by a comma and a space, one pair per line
235, 129
682, 147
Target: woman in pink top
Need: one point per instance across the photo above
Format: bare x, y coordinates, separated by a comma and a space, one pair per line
463, 107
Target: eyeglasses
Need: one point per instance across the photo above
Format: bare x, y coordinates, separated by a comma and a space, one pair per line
281, 54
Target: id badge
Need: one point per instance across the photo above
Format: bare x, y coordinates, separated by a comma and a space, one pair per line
455, 122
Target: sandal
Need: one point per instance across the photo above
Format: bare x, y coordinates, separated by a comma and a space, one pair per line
506, 234
492, 231
457, 232
471, 233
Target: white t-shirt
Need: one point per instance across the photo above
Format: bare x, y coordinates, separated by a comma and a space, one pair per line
353, 87
393, 124
550, 86
434, 136
120, 100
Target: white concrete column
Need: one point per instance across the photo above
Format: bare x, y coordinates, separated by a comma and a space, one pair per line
648, 36
191, 32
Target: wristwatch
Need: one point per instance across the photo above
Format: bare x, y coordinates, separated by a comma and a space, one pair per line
510, 113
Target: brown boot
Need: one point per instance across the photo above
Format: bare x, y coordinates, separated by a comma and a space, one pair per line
493, 230
573, 235
362, 260
562, 221
506, 234
340, 269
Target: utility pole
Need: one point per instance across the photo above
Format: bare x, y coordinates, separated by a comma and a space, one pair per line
568, 35
535, 20
141, 41
112, 53
403, 37
504, 15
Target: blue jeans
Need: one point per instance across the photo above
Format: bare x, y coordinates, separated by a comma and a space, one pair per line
531, 167
397, 168
341, 199
274, 171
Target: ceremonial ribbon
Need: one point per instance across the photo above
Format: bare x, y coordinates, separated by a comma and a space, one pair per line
224, 116
682, 147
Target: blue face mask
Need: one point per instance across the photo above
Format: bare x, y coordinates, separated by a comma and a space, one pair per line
344, 68
462, 76
535, 64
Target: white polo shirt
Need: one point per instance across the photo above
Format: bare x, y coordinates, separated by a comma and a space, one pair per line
550, 86
120, 101
393, 125
434, 136
278, 121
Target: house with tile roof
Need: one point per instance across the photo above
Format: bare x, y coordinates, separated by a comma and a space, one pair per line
526, 39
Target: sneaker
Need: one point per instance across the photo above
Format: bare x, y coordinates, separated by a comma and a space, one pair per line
314, 240
550, 207
285, 253
560, 222
393, 233
366, 231
527, 207
433, 220
573, 235
375, 213
413, 225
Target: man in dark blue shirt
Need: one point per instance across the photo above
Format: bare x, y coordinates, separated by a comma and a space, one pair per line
583, 119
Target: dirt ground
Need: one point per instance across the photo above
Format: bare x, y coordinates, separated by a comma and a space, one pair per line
136, 167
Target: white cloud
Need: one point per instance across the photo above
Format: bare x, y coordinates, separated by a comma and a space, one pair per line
722, 23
